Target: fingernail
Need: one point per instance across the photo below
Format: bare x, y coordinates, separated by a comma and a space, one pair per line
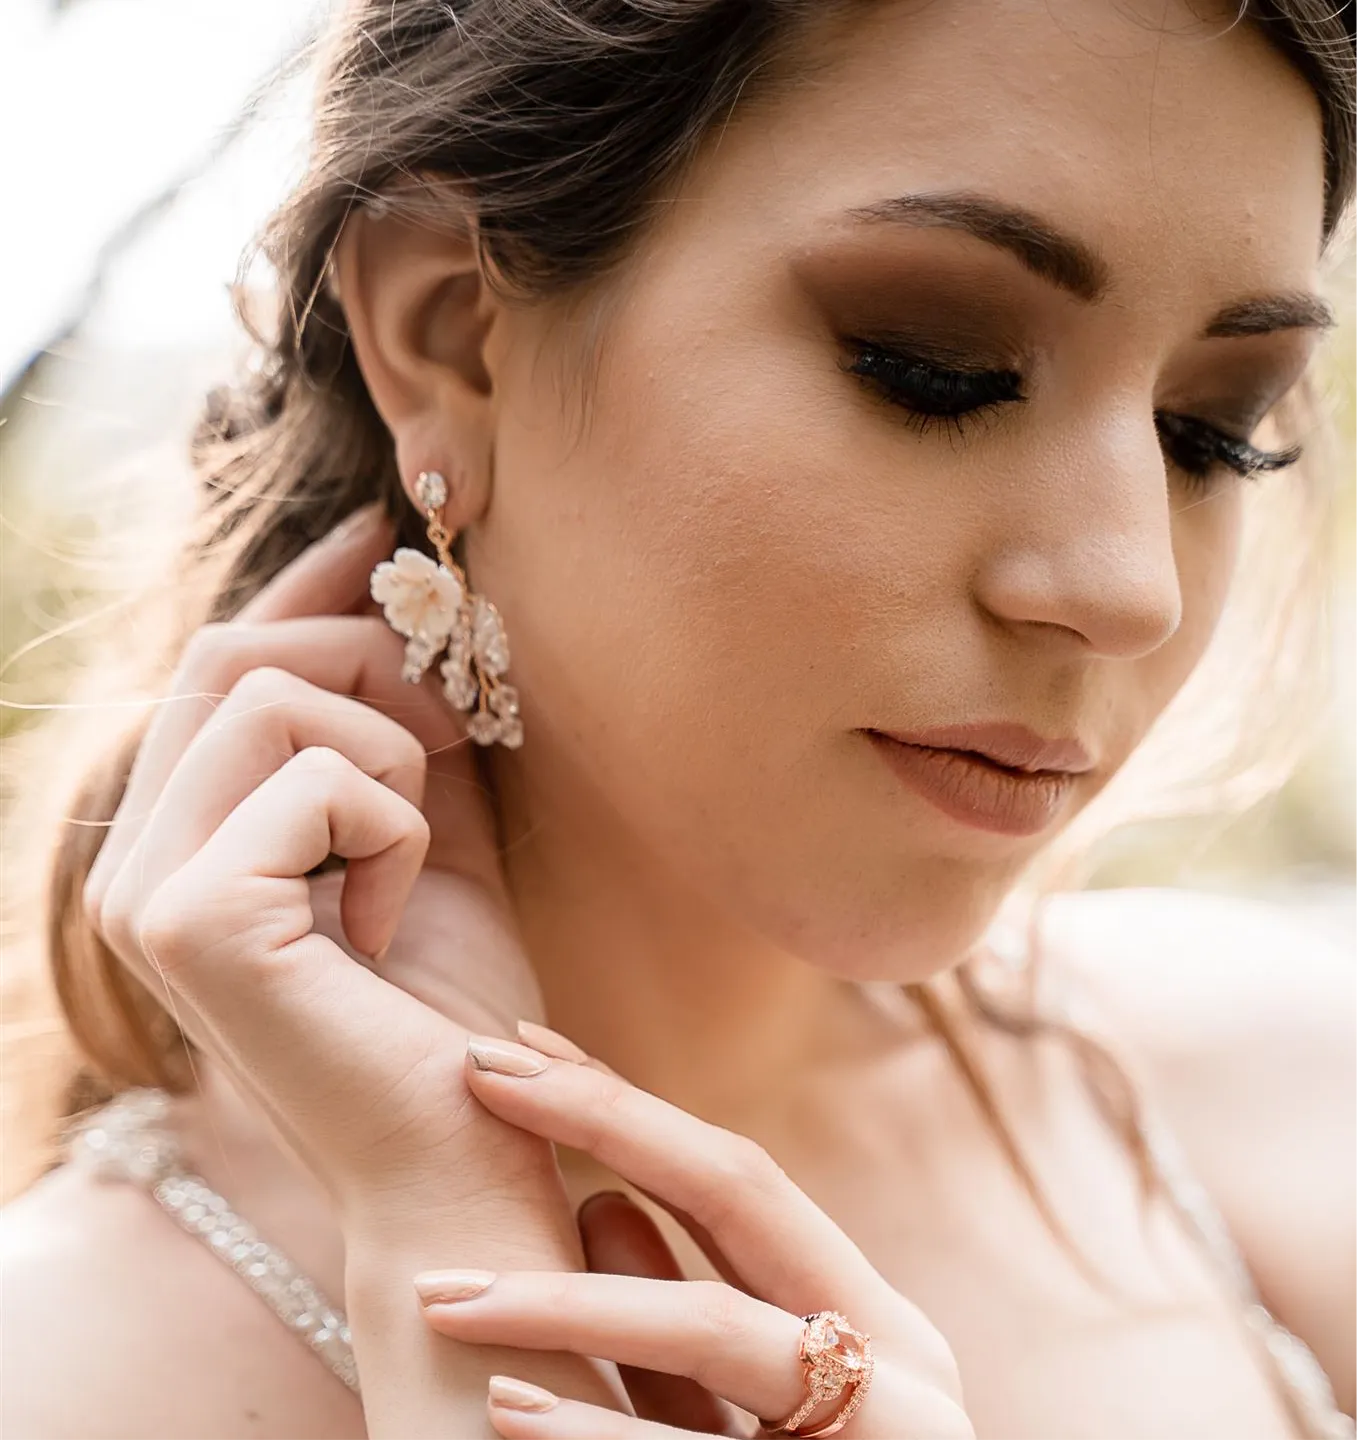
503, 1057
550, 1042
435, 1287
519, 1395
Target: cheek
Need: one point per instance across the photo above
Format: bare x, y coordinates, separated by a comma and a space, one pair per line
704, 551
1206, 543
694, 593
693, 559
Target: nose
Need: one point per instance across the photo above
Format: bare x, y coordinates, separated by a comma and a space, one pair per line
1088, 548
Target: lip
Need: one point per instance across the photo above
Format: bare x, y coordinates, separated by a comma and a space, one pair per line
1011, 745
1019, 796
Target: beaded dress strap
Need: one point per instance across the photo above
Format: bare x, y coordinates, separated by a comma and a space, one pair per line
1303, 1380
126, 1139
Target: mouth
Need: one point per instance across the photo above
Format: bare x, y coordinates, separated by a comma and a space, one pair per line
1002, 778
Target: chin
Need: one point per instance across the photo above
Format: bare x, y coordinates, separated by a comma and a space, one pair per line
905, 938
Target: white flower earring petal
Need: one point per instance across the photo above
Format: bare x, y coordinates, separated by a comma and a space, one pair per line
421, 600
432, 605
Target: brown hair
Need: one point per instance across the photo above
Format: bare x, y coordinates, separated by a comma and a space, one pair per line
556, 122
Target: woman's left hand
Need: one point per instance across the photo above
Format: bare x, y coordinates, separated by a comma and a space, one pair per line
781, 1256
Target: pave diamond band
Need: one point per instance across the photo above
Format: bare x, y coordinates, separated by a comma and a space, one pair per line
835, 1359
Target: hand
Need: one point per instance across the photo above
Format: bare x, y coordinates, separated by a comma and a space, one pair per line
781, 1258
256, 768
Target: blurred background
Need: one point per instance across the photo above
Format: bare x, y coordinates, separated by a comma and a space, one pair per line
146, 140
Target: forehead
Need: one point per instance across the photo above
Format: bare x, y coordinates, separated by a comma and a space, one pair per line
1166, 136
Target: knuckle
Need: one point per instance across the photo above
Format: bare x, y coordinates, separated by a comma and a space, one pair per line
404, 747
747, 1163
608, 1113
951, 1422
932, 1356
263, 685
722, 1324
721, 1315
560, 1294
204, 650
161, 930
117, 921
322, 761
373, 631
216, 655
410, 745
417, 826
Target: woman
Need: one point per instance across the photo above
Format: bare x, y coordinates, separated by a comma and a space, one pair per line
792, 454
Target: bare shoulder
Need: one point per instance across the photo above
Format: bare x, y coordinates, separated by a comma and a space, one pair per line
1243, 1020
119, 1324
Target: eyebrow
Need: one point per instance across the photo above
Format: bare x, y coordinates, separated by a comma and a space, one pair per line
1072, 265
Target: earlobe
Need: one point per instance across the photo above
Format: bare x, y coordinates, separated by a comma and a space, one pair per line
419, 314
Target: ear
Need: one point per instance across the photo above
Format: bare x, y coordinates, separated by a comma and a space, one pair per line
419, 315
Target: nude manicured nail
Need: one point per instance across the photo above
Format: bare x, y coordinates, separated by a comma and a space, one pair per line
503, 1057
519, 1395
550, 1042
437, 1287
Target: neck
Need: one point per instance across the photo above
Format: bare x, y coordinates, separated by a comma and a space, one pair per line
643, 973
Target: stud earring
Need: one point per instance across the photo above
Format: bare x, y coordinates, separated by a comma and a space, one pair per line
431, 604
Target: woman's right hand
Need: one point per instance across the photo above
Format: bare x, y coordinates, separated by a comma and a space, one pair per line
257, 766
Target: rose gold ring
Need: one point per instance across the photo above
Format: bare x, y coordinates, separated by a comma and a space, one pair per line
834, 1358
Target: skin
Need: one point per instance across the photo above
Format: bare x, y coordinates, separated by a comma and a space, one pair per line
707, 807
719, 558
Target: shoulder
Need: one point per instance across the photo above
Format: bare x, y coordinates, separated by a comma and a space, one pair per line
1240, 1019
117, 1323
1209, 987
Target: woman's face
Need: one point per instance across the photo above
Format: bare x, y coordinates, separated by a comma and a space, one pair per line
749, 549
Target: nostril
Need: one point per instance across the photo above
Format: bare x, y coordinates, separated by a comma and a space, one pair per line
1100, 593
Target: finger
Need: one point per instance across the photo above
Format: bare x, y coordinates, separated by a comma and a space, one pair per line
726, 1341
331, 576
231, 933
621, 1239
553, 1043
781, 1245
267, 719
244, 895
523, 1411
527, 1412
359, 657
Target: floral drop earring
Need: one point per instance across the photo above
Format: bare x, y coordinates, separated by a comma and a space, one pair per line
432, 605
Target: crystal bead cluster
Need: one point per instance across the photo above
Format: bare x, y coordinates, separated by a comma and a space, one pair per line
429, 603
127, 1140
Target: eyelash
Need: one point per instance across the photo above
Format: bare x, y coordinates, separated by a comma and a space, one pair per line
933, 395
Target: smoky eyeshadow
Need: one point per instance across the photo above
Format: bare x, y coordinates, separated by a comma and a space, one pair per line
1242, 385
944, 310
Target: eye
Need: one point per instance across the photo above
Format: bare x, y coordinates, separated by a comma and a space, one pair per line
929, 393
1202, 451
